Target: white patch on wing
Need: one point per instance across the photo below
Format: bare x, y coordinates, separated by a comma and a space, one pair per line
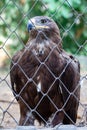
39, 87
60, 89
14, 87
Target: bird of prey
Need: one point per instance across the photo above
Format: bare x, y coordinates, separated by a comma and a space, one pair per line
44, 78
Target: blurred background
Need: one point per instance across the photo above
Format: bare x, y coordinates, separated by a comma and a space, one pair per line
71, 17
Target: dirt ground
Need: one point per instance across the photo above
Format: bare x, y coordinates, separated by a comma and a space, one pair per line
9, 108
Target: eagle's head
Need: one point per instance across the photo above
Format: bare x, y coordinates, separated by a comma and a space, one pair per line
44, 28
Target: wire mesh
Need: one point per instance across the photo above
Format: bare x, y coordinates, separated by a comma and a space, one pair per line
9, 108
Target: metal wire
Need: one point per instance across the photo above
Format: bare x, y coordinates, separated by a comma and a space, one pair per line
4, 110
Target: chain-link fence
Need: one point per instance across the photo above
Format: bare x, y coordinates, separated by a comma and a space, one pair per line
46, 88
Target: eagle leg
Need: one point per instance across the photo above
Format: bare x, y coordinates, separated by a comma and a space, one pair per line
58, 118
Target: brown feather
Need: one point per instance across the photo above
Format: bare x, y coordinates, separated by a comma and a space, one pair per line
51, 68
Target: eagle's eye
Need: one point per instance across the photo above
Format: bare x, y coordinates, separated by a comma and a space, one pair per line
43, 21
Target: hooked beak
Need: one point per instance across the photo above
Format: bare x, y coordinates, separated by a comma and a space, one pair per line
31, 25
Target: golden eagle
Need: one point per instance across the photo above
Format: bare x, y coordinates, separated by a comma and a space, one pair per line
44, 78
